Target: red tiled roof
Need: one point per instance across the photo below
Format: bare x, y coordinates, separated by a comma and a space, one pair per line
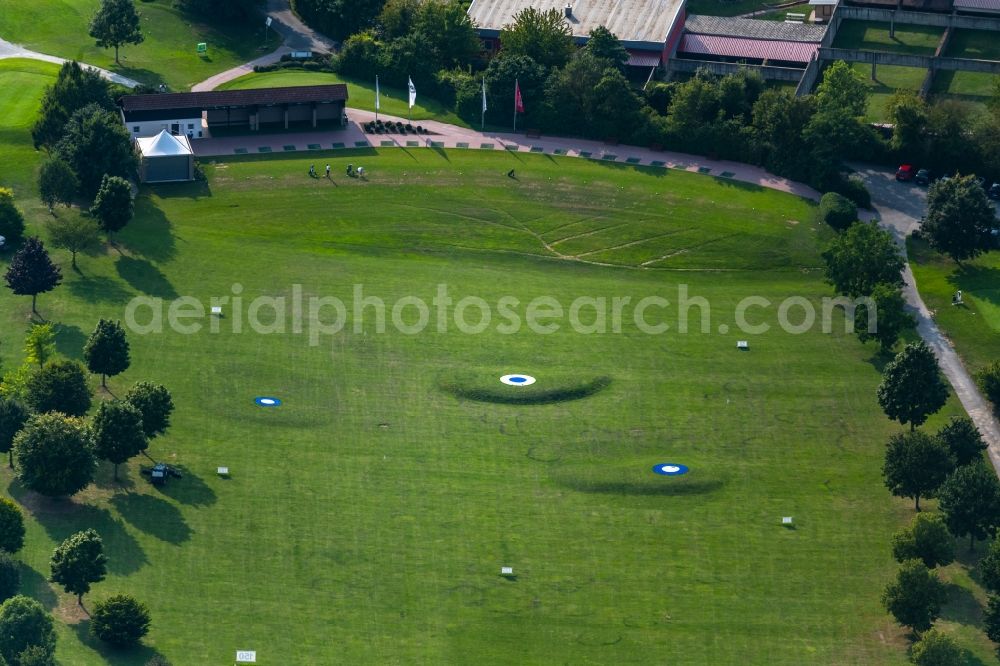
643, 58
738, 47
255, 97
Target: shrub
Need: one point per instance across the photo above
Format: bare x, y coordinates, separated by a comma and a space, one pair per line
11, 220
855, 190
10, 576
120, 620
837, 211
989, 383
11, 526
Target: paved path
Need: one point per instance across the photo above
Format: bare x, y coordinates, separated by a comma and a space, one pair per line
9, 50
297, 36
900, 207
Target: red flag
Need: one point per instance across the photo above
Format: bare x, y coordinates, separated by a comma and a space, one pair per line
518, 102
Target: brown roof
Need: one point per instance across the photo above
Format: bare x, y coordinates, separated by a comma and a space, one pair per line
218, 98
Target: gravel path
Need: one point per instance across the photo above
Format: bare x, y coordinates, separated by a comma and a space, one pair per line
9, 50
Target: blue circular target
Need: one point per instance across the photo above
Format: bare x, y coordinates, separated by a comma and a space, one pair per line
267, 401
517, 380
670, 469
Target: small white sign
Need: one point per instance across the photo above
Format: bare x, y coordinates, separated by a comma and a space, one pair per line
246, 657
268, 22
506, 571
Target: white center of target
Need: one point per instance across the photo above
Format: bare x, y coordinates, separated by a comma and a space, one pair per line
517, 380
267, 401
671, 468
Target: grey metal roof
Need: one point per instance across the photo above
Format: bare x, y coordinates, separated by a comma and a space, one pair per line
753, 28
647, 21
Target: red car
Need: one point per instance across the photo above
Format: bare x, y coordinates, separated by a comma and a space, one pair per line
905, 172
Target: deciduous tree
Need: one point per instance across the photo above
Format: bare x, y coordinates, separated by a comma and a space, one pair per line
11, 219
891, 317
60, 386
936, 649
54, 455
96, 144
926, 539
916, 465
113, 205
120, 620
78, 562
543, 36
40, 344
10, 576
57, 183
75, 88
959, 219
970, 502
842, 89
915, 597
76, 234
963, 440
116, 24
107, 350
117, 432
31, 272
155, 404
13, 416
24, 624
912, 388
605, 45
989, 567
861, 258
991, 618
11, 526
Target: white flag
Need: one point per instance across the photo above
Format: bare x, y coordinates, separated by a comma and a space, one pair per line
267, 23
376, 92
413, 92
484, 94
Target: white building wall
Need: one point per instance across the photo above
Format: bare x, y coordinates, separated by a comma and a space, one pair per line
191, 127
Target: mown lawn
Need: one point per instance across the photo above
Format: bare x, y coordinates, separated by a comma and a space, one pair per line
977, 44
973, 87
392, 101
367, 517
60, 27
888, 79
874, 36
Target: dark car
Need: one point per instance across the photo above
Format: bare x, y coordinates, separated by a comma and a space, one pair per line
924, 177
905, 172
994, 192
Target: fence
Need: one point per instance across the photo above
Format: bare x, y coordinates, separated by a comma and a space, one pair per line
722, 68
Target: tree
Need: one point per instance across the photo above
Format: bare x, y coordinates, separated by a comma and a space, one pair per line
891, 317
543, 36
13, 416
862, 257
39, 344
117, 432
10, 576
11, 526
120, 620
501, 74
96, 144
970, 502
912, 388
837, 210
75, 88
842, 89
779, 118
113, 204
115, 24
963, 440
107, 351
988, 380
916, 465
915, 597
76, 234
60, 386
11, 219
57, 183
155, 404
31, 272
78, 562
989, 567
24, 624
54, 455
908, 114
338, 18
605, 45
959, 219
991, 618
937, 649
447, 26
926, 539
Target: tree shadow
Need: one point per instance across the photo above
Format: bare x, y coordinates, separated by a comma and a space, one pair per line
36, 586
191, 489
105, 476
131, 656
654, 487
962, 606
195, 189
150, 234
62, 517
145, 277
153, 516
70, 341
980, 281
99, 290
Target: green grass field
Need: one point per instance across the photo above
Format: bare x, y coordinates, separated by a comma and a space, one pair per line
392, 101
975, 329
973, 87
367, 518
889, 79
59, 27
874, 36
978, 44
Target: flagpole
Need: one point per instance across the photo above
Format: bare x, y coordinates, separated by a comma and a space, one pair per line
515, 106
376, 97
483, 128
